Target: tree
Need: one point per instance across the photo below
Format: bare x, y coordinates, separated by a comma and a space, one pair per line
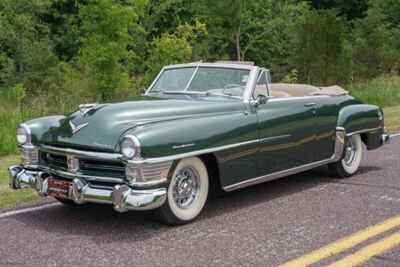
374, 45
173, 48
25, 55
350, 9
106, 39
320, 48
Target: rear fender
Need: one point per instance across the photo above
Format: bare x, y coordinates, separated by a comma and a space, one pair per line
363, 119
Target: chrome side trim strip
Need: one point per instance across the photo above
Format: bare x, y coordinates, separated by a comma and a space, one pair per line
193, 153
117, 156
86, 154
276, 175
273, 138
364, 131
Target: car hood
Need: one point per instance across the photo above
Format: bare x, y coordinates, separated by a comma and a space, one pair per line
101, 127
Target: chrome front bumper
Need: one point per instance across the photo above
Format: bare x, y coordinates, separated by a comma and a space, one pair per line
122, 197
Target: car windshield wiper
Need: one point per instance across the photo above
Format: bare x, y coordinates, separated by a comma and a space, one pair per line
183, 93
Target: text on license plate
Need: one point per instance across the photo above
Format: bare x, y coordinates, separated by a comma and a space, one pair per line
58, 188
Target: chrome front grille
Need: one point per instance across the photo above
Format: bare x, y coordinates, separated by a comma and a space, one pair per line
101, 168
55, 161
90, 167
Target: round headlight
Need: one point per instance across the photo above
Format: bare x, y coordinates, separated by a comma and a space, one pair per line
130, 147
23, 135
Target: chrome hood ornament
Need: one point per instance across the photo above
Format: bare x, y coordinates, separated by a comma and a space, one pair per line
77, 128
85, 108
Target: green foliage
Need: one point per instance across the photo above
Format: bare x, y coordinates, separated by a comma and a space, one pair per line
374, 49
351, 9
25, 56
105, 39
320, 47
55, 55
291, 77
382, 91
173, 48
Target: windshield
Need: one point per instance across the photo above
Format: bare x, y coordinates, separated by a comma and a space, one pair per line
173, 80
207, 80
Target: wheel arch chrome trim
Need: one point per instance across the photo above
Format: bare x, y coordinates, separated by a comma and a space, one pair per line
364, 131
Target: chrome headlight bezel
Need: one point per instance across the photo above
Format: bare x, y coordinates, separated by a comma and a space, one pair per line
130, 147
24, 135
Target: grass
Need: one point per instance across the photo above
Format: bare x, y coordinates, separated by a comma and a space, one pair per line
383, 91
392, 119
8, 197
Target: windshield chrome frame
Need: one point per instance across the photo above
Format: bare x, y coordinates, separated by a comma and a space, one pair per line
251, 81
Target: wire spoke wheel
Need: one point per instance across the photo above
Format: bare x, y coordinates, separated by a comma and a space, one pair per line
352, 156
187, 192
350, 152
186, 187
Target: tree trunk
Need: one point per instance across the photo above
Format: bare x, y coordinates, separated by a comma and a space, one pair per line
238, 57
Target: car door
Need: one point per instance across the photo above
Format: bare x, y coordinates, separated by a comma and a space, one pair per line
287, 131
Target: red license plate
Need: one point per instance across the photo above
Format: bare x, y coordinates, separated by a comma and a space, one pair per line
58, 188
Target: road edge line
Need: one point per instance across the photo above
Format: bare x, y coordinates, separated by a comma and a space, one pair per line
25, 210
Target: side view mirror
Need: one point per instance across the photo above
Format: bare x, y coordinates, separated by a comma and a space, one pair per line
260, 100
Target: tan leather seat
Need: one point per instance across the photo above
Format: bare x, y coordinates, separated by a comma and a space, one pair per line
262, 90
278, 93
332, 90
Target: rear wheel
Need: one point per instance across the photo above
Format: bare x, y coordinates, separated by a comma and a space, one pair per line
187, 192
351, 159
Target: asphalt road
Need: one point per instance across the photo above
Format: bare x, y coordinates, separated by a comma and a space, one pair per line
265, 225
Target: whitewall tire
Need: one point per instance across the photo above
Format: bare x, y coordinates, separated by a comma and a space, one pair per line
187, 192
351, 159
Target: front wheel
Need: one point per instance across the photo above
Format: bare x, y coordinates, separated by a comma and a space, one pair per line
351, 159
187, 192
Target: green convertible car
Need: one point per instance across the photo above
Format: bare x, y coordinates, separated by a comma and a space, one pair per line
197, 126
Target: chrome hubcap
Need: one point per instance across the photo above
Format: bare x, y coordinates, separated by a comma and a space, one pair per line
350, 152
185, 187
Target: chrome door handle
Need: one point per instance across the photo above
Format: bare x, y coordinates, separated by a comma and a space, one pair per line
310, 105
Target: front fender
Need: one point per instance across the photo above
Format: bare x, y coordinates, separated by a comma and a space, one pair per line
41, 125
197, 133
